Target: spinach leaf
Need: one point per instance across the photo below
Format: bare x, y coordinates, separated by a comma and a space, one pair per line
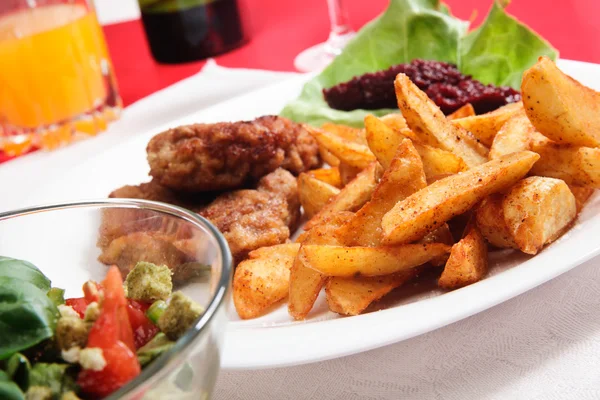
54, 376
498, 52
23, 270
27, 315
17, 368
8, 389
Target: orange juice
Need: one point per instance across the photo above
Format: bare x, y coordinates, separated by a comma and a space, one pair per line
54, 68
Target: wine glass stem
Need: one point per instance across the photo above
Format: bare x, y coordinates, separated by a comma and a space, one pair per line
340, 28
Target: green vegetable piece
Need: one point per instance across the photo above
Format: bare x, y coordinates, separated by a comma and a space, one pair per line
57, 296
149, 282
27, 315
38, 393
156, 310
154, 348
17, 368
8, 389
54, 376
498, 52
23, 270
180, 315
501, 49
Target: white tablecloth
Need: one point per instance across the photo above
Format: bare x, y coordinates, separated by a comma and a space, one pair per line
544, 344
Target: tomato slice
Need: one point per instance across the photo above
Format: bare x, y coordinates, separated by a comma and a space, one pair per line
143, 329
78, 304
113, 322
121, 367
113, 334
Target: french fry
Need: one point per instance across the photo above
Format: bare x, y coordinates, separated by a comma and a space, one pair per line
263, 279
426, 210
582, 195
515, 135
352, 197
579, 166
348, 133
560, 107
403, 177
440, 235
314, 194
468, 261
351, 296
327, 175
485, 126
354, 154
368, 261
535, 212
428, 122
306, 283
347, 173
465, 111
438, 162
384, 142
395, 121
490, 221
328, 157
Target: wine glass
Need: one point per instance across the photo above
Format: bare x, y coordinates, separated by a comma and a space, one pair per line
317, 57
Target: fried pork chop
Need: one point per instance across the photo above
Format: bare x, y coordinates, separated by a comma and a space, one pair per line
229, 155
248, 219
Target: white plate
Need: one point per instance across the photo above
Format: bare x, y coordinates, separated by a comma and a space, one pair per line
274, 340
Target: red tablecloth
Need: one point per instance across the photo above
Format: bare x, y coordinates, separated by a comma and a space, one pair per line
279, 30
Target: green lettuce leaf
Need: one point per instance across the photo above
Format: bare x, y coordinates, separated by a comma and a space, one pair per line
498, 52
501, 49
408, 29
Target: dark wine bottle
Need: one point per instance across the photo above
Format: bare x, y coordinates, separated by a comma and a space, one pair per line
188, 30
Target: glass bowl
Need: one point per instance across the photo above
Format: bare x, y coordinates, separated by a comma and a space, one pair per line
67, 241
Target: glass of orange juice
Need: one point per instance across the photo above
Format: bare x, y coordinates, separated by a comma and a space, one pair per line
56, 79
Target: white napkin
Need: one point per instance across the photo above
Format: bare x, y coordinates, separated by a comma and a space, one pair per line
211, 85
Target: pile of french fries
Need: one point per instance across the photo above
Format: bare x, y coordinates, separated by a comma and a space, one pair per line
396, 190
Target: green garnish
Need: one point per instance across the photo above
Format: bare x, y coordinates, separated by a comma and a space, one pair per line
498, 52
57, 296
156, 310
